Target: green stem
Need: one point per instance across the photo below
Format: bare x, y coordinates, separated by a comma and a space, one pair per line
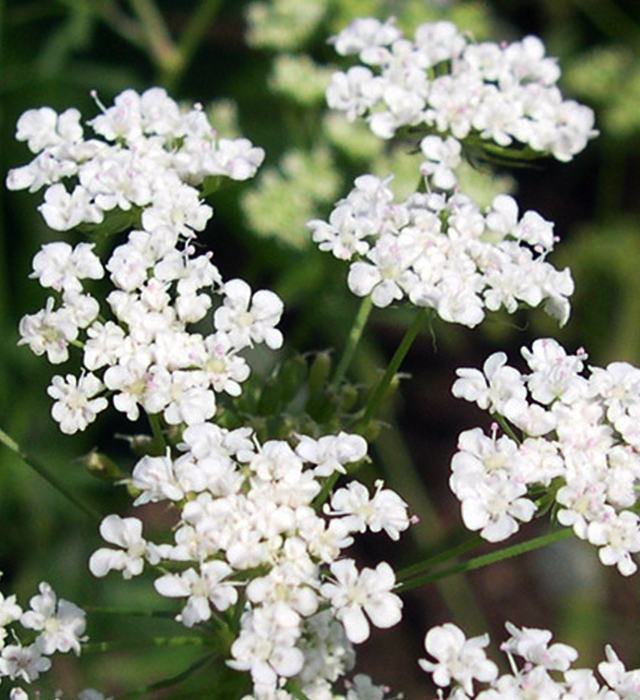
128, 612
161, 47
296, 691
451, 553
49, 476
352, 343
190, 39
502, 422
171, 680
160, 446
149, 643
611, 20
327, 488
380, 391
486, 559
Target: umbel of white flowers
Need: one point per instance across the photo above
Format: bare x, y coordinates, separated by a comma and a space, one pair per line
150, 158
578, 434
439, 249
247, 521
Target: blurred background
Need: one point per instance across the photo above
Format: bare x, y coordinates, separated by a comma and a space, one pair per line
260, 70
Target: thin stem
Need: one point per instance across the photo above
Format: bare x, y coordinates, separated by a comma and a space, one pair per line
160, 446
355, 334
381, 389
431, 562
118, 21
190, 40
149, 643
296, 690
49, 476
161, 46
502, 422
171, 680
611, 20
486, 559
128, 612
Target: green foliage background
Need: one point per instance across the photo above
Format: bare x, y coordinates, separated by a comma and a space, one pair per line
261, 72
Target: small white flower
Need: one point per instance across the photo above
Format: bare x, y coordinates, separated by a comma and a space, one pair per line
457, 658
249, 318
24, 663
61, 624
61, 267
355, 593
127, 534
202, 589
75, 406
533, 645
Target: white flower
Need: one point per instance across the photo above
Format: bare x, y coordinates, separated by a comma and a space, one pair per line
24, 663
60, 266
498, 387
330, 453
61, 623
155, 478
353, 594
49, 331
363, 34
618, 536
443, 157
10, 611
247, 318
75, 408
125, 533
457, 658
385, 511
63, 211
266, 645
201, 588
533, 645
625, 683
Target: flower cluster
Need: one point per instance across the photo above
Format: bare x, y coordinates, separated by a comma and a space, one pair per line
149, 164
441, 82
50, 625
579, 448
539, 669
250, 533
441, 251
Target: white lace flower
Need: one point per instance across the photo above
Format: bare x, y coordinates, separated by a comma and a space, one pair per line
457, 658
353, 594
249, 318
75, 406
61, 624
127, 534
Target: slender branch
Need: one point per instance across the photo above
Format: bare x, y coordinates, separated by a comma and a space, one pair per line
161, 46
49, 476
190, 40
296, 690
148, 643
160, 446
486, 559
611, 20
128, 612
118, 21
171, 680
355, 335
451, 553
383, 385
502, 422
